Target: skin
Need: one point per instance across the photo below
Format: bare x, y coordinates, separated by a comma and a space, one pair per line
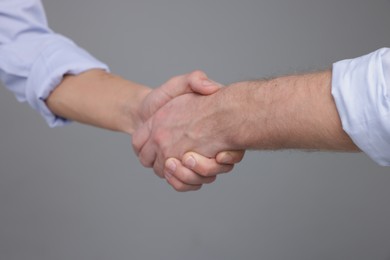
121, 105
291, 112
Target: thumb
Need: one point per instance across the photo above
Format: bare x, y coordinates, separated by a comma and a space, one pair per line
195, 82
201, 84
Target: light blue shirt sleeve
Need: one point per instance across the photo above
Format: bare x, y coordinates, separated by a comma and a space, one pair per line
34, 59
361, 90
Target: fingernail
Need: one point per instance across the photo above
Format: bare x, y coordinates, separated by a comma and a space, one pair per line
227, 158
171, 166
190, 162
167, 175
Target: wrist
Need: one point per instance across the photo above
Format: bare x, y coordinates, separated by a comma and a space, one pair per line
249, 106
233, 116
129, 116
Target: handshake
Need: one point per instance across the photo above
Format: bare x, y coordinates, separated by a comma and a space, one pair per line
177, 129
191, 129
179, 135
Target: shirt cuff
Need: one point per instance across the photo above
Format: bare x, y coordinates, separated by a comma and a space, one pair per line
59, 58
361, 90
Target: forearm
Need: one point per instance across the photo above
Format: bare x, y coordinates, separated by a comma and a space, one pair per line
100, 99
292, 112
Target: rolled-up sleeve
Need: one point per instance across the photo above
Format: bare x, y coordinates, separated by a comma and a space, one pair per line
361, 90
34, 59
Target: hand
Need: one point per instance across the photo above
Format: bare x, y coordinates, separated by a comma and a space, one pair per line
195, 82
195, 170
154, 143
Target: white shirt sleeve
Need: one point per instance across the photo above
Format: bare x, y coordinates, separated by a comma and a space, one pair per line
34, 59
361, 90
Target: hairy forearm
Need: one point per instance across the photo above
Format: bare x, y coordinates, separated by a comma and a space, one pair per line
100, 99
292, 112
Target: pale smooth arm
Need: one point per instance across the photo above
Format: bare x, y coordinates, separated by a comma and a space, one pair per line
100, 99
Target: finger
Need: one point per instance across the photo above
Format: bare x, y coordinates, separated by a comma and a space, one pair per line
147, 155
196, 81
230, 157
185, 175
201, 84
141, 136
204, 166
158, 167
176, 86
180, 186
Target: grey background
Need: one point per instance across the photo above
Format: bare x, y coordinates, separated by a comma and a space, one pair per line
79, 192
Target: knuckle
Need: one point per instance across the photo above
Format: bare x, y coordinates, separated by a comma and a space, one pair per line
145, 162
209, 180
213, 179
136, 144
227, 168
205, 171
180, 187
197, 73
160, 176
158, 171
197, 188
206, 174
239, 156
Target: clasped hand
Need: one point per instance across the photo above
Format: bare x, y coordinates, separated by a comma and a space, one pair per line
173, 142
